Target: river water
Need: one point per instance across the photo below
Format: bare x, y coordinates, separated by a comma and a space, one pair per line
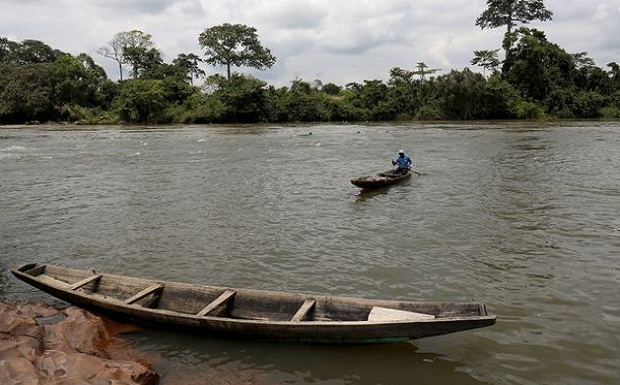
523, 216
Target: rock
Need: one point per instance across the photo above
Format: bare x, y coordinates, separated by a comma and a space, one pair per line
59, 367
41, 345
80, 331
18, 371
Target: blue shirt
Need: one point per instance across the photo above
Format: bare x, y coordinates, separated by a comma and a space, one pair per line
403, 162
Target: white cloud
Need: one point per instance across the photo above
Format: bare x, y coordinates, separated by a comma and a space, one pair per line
292, 15
340, 42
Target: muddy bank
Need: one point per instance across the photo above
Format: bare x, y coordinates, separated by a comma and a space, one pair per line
43, 345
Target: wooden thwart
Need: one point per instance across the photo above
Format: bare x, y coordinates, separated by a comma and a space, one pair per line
219, 301
383, 314
149, 290
303, 311
85, 281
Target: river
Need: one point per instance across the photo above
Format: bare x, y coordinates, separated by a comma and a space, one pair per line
521, 215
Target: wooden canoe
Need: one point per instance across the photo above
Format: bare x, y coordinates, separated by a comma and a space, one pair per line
381, 179
253, 314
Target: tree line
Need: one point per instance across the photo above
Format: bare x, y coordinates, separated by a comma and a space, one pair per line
536, 79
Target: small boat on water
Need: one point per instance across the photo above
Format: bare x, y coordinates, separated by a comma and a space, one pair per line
381, 179
253, 314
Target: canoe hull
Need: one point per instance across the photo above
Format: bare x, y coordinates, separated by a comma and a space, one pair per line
382, 179
252, 314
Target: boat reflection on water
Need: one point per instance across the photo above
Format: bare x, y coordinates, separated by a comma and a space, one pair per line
366, 194
179, 359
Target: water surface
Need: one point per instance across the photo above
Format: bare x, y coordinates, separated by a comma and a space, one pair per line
523, 216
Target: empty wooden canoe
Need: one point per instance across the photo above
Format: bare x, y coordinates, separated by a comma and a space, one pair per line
253, 314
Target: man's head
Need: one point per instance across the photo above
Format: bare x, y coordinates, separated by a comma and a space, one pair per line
401, 153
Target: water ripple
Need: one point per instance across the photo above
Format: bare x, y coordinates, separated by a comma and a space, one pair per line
520, 215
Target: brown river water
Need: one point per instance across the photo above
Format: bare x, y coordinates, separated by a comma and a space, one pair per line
521, 215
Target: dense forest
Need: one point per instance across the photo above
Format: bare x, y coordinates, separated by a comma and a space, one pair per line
536, 79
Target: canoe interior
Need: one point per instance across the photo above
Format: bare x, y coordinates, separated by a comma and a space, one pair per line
242, 304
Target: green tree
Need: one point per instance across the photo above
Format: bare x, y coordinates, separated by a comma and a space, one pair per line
106, 94
139, 51
422, 69
404, 91
487, 59
35, 51
502, 101
275, 108
331, 89
234, 45
130, 47
539, 66
508, 13
614, 73
8, 49
27, 52
141, 101
303, 103
200, 108
242, 96
189, 63
371, 97
462, 93
589, 77
77, 80
26, 92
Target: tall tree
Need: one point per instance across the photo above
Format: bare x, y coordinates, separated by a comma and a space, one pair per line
138, 49
130, 47
143, 60
540, 66
508, 13
423, 69
189, 63
235, 45
115, 52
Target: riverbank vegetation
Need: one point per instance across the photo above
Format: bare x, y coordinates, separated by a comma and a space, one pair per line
537, 79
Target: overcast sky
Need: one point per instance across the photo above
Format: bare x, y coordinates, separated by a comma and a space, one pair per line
334, 41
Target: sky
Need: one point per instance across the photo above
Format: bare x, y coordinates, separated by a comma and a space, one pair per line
333, 41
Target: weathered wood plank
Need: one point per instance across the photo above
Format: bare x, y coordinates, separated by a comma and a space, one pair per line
382, 314
85, 281
219, 301
303, 311
149, 290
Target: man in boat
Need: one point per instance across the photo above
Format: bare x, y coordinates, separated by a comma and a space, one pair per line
402, 163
